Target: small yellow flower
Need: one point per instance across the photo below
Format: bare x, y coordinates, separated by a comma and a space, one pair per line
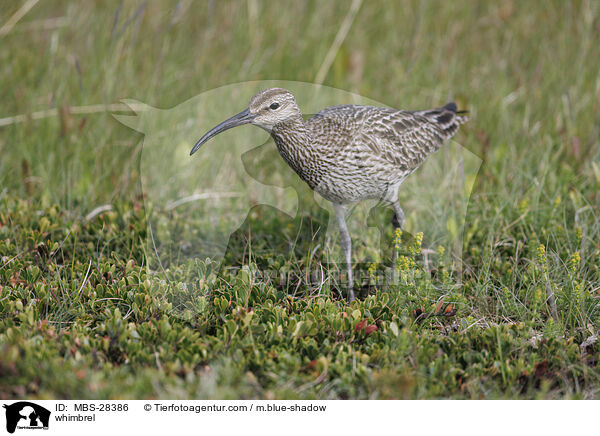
542, 259
416, 246
419, 240
523, 205
404, 263
541, 251
441, 250
398, 238
557, 201
575, 261
371, 271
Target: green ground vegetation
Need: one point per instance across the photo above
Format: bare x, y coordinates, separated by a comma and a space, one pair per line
85, 314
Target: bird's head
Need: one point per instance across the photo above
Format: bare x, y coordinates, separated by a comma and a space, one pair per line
266, 109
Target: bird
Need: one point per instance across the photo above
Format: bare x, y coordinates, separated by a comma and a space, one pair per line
348, 153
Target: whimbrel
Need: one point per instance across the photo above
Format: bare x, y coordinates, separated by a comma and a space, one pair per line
348, 153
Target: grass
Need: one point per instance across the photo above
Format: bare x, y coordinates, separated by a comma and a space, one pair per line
86, 311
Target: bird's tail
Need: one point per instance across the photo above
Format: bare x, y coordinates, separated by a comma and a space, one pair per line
447, 118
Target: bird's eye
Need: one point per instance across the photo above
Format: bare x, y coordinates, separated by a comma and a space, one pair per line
274, 106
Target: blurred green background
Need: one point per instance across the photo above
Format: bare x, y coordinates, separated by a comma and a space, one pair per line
528, 73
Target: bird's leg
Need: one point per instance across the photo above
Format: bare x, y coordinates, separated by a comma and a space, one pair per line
398, 218
397, 222
346, 244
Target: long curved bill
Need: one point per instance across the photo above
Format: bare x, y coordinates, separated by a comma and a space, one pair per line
243, 117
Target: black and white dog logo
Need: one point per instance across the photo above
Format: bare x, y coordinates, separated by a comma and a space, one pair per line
26, 415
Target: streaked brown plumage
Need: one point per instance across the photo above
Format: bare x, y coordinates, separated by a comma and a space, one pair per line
349, 153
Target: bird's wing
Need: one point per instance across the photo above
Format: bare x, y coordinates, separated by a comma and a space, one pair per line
401, 138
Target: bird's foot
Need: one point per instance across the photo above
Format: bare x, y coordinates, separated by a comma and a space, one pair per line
351, 296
